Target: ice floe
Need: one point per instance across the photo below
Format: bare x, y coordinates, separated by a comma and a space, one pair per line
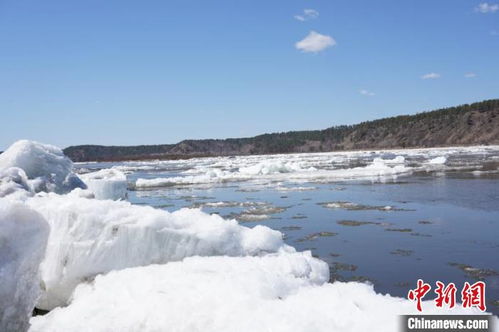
437, 160
376, 166
274, 167
106, 183
270, 171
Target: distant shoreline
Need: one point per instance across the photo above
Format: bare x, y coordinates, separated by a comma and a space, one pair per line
166, 158
465, 125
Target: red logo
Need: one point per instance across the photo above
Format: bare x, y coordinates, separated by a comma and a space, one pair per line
418, 293
474, 295
445, 294
471, 295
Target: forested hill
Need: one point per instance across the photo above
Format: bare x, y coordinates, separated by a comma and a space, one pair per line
470, 124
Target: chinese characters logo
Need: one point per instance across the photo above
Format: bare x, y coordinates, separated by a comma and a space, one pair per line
471, 295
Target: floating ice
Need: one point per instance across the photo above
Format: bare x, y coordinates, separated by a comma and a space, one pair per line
107, 183
396, 160
358, 207
222, 204
90, 237
273, 167
277, 292
228, 204
46, 165
286, 189
302, 167
210, 176
23, 236
438, 160
282, 171
251, 217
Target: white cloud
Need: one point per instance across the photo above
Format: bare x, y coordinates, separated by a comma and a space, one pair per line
470, 75
366, 93
315, 42
430, 76
485, 7
308, 14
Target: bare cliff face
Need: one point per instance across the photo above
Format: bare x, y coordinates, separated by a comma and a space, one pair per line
471, 124
472, 127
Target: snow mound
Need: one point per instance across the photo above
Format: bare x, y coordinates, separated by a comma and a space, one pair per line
45, 165
23, 236
277, 292
90, 237
106, 184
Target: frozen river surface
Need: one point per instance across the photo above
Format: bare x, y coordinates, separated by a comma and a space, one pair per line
386, 217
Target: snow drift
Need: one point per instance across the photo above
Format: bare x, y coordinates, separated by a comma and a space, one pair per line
23, 236
90, 237
277, 292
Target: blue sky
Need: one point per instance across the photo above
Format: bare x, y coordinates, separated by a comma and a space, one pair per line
139, 72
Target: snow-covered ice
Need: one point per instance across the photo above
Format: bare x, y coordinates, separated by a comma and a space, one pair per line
23, 236
305, 167
274, 167
45, 165
277, 292
90, 237
289, 172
